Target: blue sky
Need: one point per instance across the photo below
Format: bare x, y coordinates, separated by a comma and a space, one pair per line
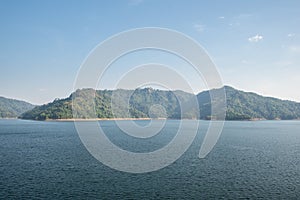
255, 44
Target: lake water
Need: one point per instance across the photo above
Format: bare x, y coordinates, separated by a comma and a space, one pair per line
46, 160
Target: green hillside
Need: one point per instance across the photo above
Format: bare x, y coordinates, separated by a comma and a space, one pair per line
153, 103
247, 105
141, 101
11, 108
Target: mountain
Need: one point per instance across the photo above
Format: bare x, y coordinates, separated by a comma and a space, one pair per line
247, 105
153, 103
251, 105
11, 108
143, 103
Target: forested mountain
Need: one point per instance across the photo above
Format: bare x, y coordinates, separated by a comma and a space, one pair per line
11, 108
247, 105
153, 103
143, 103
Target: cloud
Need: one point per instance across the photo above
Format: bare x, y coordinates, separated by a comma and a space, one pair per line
199, 27
255, 38
291, 35
221, 17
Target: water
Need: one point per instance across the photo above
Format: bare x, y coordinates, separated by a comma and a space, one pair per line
46, 160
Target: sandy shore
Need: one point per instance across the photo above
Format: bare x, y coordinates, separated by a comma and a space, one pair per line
103, 119
124, 119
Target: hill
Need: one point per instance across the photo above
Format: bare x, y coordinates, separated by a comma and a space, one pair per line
143, 103
11, 108
153, 103
247, 105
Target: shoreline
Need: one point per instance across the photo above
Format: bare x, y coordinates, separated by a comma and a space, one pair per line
101, 119
138, 119
9, 118
145, 118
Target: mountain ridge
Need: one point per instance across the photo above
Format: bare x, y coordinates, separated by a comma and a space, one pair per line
12, 108
155, 103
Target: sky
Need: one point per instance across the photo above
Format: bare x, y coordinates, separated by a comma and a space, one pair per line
255, 44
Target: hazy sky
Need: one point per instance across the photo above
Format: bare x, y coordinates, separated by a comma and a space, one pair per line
255, 44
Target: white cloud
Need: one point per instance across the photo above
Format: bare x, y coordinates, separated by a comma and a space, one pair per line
291, 35
221, 17
199, 27
256, 38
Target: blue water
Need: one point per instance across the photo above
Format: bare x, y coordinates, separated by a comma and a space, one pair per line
46, 160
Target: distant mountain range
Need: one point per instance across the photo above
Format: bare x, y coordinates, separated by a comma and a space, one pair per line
240, 105
11, 108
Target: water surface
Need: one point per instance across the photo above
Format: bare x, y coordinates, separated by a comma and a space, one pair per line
251, 160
